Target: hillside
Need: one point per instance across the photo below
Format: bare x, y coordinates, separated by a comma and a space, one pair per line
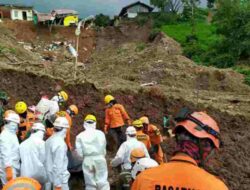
121, 61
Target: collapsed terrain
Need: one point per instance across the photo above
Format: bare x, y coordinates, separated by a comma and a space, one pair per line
149, 78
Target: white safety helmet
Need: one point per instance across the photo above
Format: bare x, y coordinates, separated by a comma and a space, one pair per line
61, 122
131, 131
12, 117
38, 126
141, 165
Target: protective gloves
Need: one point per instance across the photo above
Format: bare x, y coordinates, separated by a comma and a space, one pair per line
58, 188
9, 173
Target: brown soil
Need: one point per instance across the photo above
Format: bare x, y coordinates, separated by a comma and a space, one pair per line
121, 63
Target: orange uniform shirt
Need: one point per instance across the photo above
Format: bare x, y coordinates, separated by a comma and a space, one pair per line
180, 173
154, 134
26, 124
67, 139
115, 116
143, 138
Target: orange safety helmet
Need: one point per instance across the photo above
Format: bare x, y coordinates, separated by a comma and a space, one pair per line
22, 183
8, 112
136, 154
144, 120
74, 109
197, 130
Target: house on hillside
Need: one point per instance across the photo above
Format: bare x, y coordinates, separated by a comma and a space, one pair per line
65, 17
16, 12
132, 10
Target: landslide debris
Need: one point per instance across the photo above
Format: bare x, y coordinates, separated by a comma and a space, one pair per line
121, 61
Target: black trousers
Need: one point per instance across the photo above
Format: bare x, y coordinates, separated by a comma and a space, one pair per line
118, 135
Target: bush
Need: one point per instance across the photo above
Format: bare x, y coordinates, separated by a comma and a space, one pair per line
245, 72
247, 80
102, 20
233, 23
141, 20
161, 19
154, 33
222, 60
193, 51
200, 14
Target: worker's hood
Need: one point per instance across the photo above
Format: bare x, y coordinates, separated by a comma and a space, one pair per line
55, 98
39, 134
11, 127
89, 126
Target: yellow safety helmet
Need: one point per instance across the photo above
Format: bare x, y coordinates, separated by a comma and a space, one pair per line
144, 120
137, 123
64, 95
90, 118
61, 114
108, 99
21, 107
74, 109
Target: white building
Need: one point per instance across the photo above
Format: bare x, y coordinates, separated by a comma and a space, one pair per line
17, 12
21, 14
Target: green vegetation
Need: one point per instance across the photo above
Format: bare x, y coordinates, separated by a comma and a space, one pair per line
4, 49
205, 33
140, 47
222, 43
245, 71
102, 20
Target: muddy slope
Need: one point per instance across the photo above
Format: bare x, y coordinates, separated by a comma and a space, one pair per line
232, 163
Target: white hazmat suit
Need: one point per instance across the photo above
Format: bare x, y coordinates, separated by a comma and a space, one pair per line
123, 154
9, 151
47, 107
141, 165
32, 152
57, 160
91, 146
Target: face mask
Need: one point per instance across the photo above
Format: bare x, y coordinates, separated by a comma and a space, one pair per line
12, 127
88, 126
62, 133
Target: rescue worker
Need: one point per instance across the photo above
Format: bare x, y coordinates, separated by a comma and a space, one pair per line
123, 155
49, 108
56, 156
69, 114
91, 146
155, 139
116, 118
140, 135
9, 148
197, 136
140, 162
3, 102
22, 183
32, 153
27, 119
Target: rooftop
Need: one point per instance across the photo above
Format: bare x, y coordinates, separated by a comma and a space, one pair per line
16, 6
124, 9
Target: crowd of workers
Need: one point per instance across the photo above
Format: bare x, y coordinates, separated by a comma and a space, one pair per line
34, 142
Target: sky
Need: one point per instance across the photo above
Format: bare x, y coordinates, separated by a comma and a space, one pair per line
84, 7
